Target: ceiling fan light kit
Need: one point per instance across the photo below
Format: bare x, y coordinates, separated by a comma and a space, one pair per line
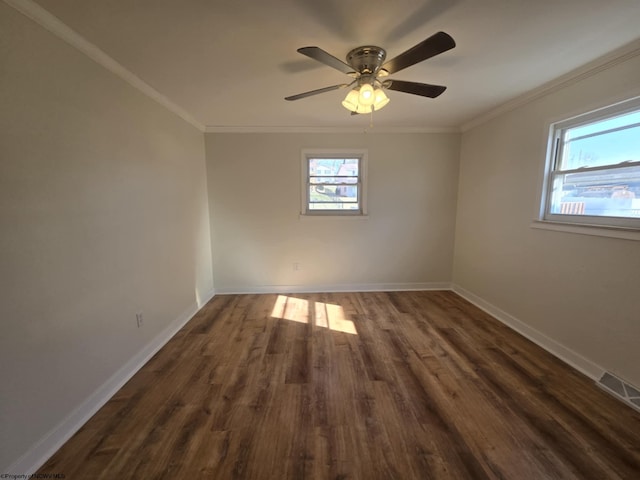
368, 101
367, 65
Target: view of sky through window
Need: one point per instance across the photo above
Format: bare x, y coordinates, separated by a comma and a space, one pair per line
607, 142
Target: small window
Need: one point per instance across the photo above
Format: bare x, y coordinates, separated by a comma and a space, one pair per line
594, 174
334, 182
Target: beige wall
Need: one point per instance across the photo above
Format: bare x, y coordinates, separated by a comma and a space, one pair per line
581, 291
254, 196
103, 213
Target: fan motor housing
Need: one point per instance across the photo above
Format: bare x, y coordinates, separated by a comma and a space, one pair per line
366, 59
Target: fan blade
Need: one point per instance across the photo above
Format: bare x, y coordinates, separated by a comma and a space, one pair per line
432, 46
423, 89
321, 56
316, 92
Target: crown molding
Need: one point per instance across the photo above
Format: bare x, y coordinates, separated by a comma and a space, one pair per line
610, 60
49, 22
345, 130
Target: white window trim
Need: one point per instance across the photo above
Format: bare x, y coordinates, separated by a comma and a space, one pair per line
585, 229
615, 227
362, 213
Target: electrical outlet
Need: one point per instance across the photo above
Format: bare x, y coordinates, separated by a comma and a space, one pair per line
296, 266
139, 319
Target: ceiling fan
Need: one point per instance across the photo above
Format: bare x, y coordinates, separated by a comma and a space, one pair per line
368, 67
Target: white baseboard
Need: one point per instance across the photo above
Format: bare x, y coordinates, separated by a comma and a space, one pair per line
42, 450
558, 350
355, 287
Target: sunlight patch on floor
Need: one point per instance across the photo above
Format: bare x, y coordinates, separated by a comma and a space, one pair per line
324, 315
290, 308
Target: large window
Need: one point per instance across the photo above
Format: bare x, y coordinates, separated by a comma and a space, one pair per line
594, 169
334, 182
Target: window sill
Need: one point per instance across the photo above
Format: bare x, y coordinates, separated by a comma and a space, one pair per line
325, 216
582, 229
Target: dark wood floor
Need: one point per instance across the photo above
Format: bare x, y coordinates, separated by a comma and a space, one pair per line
407, 385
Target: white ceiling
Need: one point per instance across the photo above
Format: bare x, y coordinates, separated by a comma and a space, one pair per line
230, 63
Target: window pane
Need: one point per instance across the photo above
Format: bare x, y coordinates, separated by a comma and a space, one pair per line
333, 183
333, 166
333, 193
612, 192
603, 125
603, 143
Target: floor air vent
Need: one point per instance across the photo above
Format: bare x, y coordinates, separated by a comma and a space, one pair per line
621, 389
